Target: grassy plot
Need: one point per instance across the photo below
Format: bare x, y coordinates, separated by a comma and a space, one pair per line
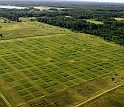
2, 20
42, 8
26, 28
2, 103
73, 96
119, 19
115, 98
40, 70
94, 21
47, 8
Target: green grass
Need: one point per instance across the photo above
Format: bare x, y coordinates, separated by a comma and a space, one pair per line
60, 69
26, 28
76, 94
1, 20
42, 8
93, 21
119, 19
114, 98
2, 103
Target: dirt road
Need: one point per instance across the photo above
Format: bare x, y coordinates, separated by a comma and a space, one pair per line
4, 99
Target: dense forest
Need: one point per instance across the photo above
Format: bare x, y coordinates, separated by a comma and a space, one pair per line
74, 16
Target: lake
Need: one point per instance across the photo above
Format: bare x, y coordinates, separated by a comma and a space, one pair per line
12, 7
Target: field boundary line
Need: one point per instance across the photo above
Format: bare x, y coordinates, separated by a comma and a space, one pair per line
5, 100
90, 99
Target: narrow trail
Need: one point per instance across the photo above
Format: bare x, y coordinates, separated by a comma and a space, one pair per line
106, 91
5, 100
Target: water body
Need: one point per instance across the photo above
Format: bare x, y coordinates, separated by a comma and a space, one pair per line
11, 7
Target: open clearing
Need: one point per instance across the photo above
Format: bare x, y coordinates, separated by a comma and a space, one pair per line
119, 19
42, 8
47, 8
93, 21
27, 28
53, 67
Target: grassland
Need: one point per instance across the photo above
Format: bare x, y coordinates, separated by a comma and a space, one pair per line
47, 8
2, 103
26, 28
115, 98
94, 21
119, 19
53, 67
42, 8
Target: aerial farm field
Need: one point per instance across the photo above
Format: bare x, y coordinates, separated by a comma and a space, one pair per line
26, 28
47, 66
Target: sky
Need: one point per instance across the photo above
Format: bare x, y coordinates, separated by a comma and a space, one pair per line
114, 1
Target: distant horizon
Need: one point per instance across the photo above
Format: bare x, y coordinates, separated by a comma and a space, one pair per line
105, 1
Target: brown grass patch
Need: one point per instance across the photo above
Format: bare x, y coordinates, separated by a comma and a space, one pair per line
105, 59
48, 59
71, 61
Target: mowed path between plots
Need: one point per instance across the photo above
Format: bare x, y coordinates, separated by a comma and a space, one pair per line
106, 91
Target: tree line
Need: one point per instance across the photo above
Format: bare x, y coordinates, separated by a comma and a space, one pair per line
74, 17
76, 20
